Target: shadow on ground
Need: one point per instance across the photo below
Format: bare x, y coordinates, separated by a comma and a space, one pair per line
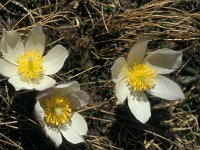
129, 134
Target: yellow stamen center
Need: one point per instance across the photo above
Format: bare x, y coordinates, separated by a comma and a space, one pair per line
57, 111
141, 77
30, 65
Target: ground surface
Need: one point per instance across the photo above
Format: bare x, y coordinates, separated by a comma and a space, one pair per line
96, 33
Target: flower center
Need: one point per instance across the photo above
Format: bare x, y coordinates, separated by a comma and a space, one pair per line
57, 111
30, 65
141, 77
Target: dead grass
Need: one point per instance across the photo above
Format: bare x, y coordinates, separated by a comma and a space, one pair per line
97, 33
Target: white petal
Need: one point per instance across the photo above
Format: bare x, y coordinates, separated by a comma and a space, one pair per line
164, 60
11, 40
137, 52
78, 99
72, 135
36, 39
7, 69
139, 106
166, 89
39, 113
45, 94
54, 134
79, 124
71, 91
84, 98
3, 44
122, 90
119, 69
45, 83
67, 88
19, 84
9, 58
54, 60
12, 45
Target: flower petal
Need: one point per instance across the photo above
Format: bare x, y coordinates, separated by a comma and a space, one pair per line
55, 59
45, 83
54, 134
71, 91
7, 69
39, 113
12, 45
164, 60
79, 124
10, 40
45, 94
137, 52
9, 58
119, 69
36, 39
122, 90
67, 88
139, 106
78, 99
166, 89
71, 135
19, 84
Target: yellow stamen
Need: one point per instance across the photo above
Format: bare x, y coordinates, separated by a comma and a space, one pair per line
30, 65
141, 77
57, 111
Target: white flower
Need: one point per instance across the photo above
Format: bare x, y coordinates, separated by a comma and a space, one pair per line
55, 111
23, 61
138, 74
